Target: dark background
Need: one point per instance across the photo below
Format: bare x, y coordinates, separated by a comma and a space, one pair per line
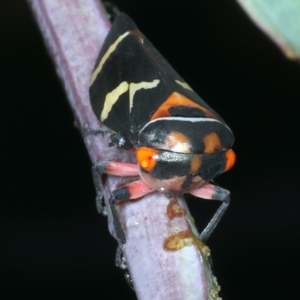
50, 233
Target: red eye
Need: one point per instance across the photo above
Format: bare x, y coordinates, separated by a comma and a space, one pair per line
230, 159
147, 158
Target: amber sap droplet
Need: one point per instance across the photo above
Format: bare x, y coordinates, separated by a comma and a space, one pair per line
174, 210
179, 240
215, 281
206, 251
214, 294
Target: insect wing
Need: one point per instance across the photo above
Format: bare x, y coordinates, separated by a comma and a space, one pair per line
131, 81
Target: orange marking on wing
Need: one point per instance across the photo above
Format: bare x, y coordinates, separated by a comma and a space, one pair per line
177, 99
178, 142
230, 159
195, 164
212, 143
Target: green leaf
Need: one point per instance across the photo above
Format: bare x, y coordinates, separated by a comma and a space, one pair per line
280, 20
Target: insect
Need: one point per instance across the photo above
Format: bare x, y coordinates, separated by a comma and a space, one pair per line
181, 143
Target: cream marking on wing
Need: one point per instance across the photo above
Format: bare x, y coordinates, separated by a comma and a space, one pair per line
184, 85
110, 50
112, 97
134, 87
183, 119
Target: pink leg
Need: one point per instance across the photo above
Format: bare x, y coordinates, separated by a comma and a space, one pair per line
120, 168
112, 168
131, 190
212, 192
137, 189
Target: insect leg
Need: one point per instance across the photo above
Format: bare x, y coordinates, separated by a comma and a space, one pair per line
113, 168
132, 190
116, 140
111, 9
87, 131
212, 192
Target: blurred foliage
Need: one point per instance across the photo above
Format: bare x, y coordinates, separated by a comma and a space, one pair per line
280, 20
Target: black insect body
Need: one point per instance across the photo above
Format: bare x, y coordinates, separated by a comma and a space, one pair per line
181, 143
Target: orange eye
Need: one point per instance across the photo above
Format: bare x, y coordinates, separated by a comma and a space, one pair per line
230, 159
147, 158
